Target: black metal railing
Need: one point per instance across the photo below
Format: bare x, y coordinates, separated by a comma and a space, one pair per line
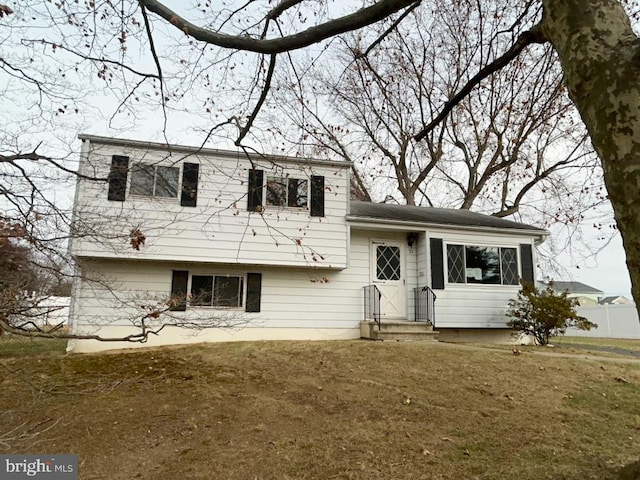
372, 304
425, 305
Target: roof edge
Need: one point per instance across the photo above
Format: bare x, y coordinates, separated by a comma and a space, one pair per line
210, 151
541, 233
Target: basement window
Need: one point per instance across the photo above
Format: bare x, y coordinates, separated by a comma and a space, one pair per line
216, 291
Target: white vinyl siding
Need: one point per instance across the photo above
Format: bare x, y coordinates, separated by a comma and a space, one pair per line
290, 297
468, 305
219, 228
304, 300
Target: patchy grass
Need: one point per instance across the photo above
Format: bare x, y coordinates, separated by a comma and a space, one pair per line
12, 345
618, 343
310, 410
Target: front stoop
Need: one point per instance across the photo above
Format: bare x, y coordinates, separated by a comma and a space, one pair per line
398, 330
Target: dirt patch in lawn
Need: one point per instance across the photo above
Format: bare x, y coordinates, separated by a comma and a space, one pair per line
348, 410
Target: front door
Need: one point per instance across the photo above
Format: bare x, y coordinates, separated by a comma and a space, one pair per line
388, 276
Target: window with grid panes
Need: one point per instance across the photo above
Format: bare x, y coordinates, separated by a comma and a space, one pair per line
387, 262
472, 264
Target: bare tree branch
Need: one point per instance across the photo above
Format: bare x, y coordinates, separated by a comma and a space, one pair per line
391, 28
92, 58
156, 60
530, 37
282, 7
361, 18
263, 97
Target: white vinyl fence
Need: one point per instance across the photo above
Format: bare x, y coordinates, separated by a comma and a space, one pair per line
614, 321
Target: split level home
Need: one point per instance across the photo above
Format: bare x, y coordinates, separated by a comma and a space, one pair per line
225, 246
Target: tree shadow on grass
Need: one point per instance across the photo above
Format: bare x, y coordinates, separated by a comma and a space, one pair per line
630, 472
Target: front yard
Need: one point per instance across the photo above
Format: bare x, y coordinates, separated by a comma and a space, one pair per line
345, 410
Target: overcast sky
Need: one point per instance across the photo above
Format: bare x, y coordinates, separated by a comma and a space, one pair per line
607, 271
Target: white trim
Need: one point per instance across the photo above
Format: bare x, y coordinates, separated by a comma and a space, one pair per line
243, 294
384, 224
170, 147
445, 262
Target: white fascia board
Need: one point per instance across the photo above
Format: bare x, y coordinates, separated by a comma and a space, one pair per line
383, 224
210, 151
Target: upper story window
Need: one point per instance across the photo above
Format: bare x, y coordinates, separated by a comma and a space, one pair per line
154, 181
482, 265
287, 192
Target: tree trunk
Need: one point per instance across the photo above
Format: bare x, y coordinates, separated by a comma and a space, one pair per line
600, 56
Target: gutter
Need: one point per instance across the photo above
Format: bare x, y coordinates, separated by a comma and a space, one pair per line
169, 147
540, 234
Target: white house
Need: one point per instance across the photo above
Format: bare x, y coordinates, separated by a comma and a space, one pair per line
270, 247
615, 300
586, 295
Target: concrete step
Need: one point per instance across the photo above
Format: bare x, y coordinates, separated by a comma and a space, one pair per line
431, 336
404, 326
398, 330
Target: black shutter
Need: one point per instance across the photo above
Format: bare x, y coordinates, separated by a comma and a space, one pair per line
317, 196
179, 290
254, 197
254, 287
189, 197
437, 263
118, 178
526, 262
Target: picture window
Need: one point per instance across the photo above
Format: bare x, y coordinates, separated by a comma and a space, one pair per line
482, 265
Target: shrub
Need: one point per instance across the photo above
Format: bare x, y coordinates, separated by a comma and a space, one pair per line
544, 313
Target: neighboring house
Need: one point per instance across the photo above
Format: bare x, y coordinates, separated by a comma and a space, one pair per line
585, 294
272, 248
615, 300
44, 312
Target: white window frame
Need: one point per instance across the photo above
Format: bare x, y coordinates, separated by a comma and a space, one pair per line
155, 167
286, 179
242, 293
481, 284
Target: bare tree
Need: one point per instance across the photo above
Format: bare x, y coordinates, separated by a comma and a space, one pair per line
513, 138
146, 54
513, 146
191, 55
